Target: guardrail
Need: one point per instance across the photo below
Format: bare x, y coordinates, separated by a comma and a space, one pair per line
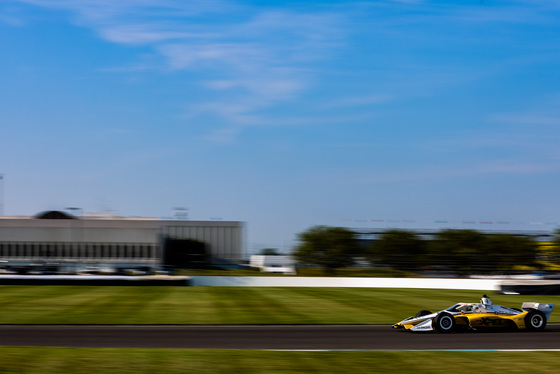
436, 283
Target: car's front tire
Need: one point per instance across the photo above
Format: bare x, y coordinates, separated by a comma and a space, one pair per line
422, 313
444, 323
535, 320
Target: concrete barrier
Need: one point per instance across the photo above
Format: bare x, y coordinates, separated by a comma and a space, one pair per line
435, 283
221, 281
531, 287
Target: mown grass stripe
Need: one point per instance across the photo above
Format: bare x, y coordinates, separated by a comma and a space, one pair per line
229, 305
129, 360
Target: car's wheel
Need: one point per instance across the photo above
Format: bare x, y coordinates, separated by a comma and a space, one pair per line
444, 322
422, 313
535, 320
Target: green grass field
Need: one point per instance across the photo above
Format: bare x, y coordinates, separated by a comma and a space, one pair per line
110, 360
243, 305
229, 305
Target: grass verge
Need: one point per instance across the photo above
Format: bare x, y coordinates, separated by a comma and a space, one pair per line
229, 305
120, 360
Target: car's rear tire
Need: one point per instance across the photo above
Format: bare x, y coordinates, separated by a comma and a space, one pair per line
422, 313
444, 323
535, 320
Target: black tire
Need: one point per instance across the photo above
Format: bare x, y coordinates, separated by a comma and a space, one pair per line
444, 323
535, 320
422, 313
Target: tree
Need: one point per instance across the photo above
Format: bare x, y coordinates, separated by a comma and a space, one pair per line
458, 250
399, 249
470, 251
326, 247
505, 252
269, 252
552, 251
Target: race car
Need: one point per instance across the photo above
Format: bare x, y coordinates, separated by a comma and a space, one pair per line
477, 316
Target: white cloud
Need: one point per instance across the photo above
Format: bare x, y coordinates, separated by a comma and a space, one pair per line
104, 10
143, 34
259, 53
234, 55
10, 16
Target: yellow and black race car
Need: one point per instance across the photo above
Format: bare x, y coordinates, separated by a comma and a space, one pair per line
475, 316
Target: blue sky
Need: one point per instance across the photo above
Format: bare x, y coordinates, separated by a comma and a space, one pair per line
284, 114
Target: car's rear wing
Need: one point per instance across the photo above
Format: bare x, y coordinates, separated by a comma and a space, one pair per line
545, 308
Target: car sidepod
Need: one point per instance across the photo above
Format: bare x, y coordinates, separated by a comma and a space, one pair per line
494, 320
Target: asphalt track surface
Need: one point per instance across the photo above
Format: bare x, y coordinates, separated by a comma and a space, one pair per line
272, 337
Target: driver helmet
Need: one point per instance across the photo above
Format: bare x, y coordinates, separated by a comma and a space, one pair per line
485, 301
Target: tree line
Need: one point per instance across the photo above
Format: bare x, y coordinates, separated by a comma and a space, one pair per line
456, 251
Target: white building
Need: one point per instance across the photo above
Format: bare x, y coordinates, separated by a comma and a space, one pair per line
109, 241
